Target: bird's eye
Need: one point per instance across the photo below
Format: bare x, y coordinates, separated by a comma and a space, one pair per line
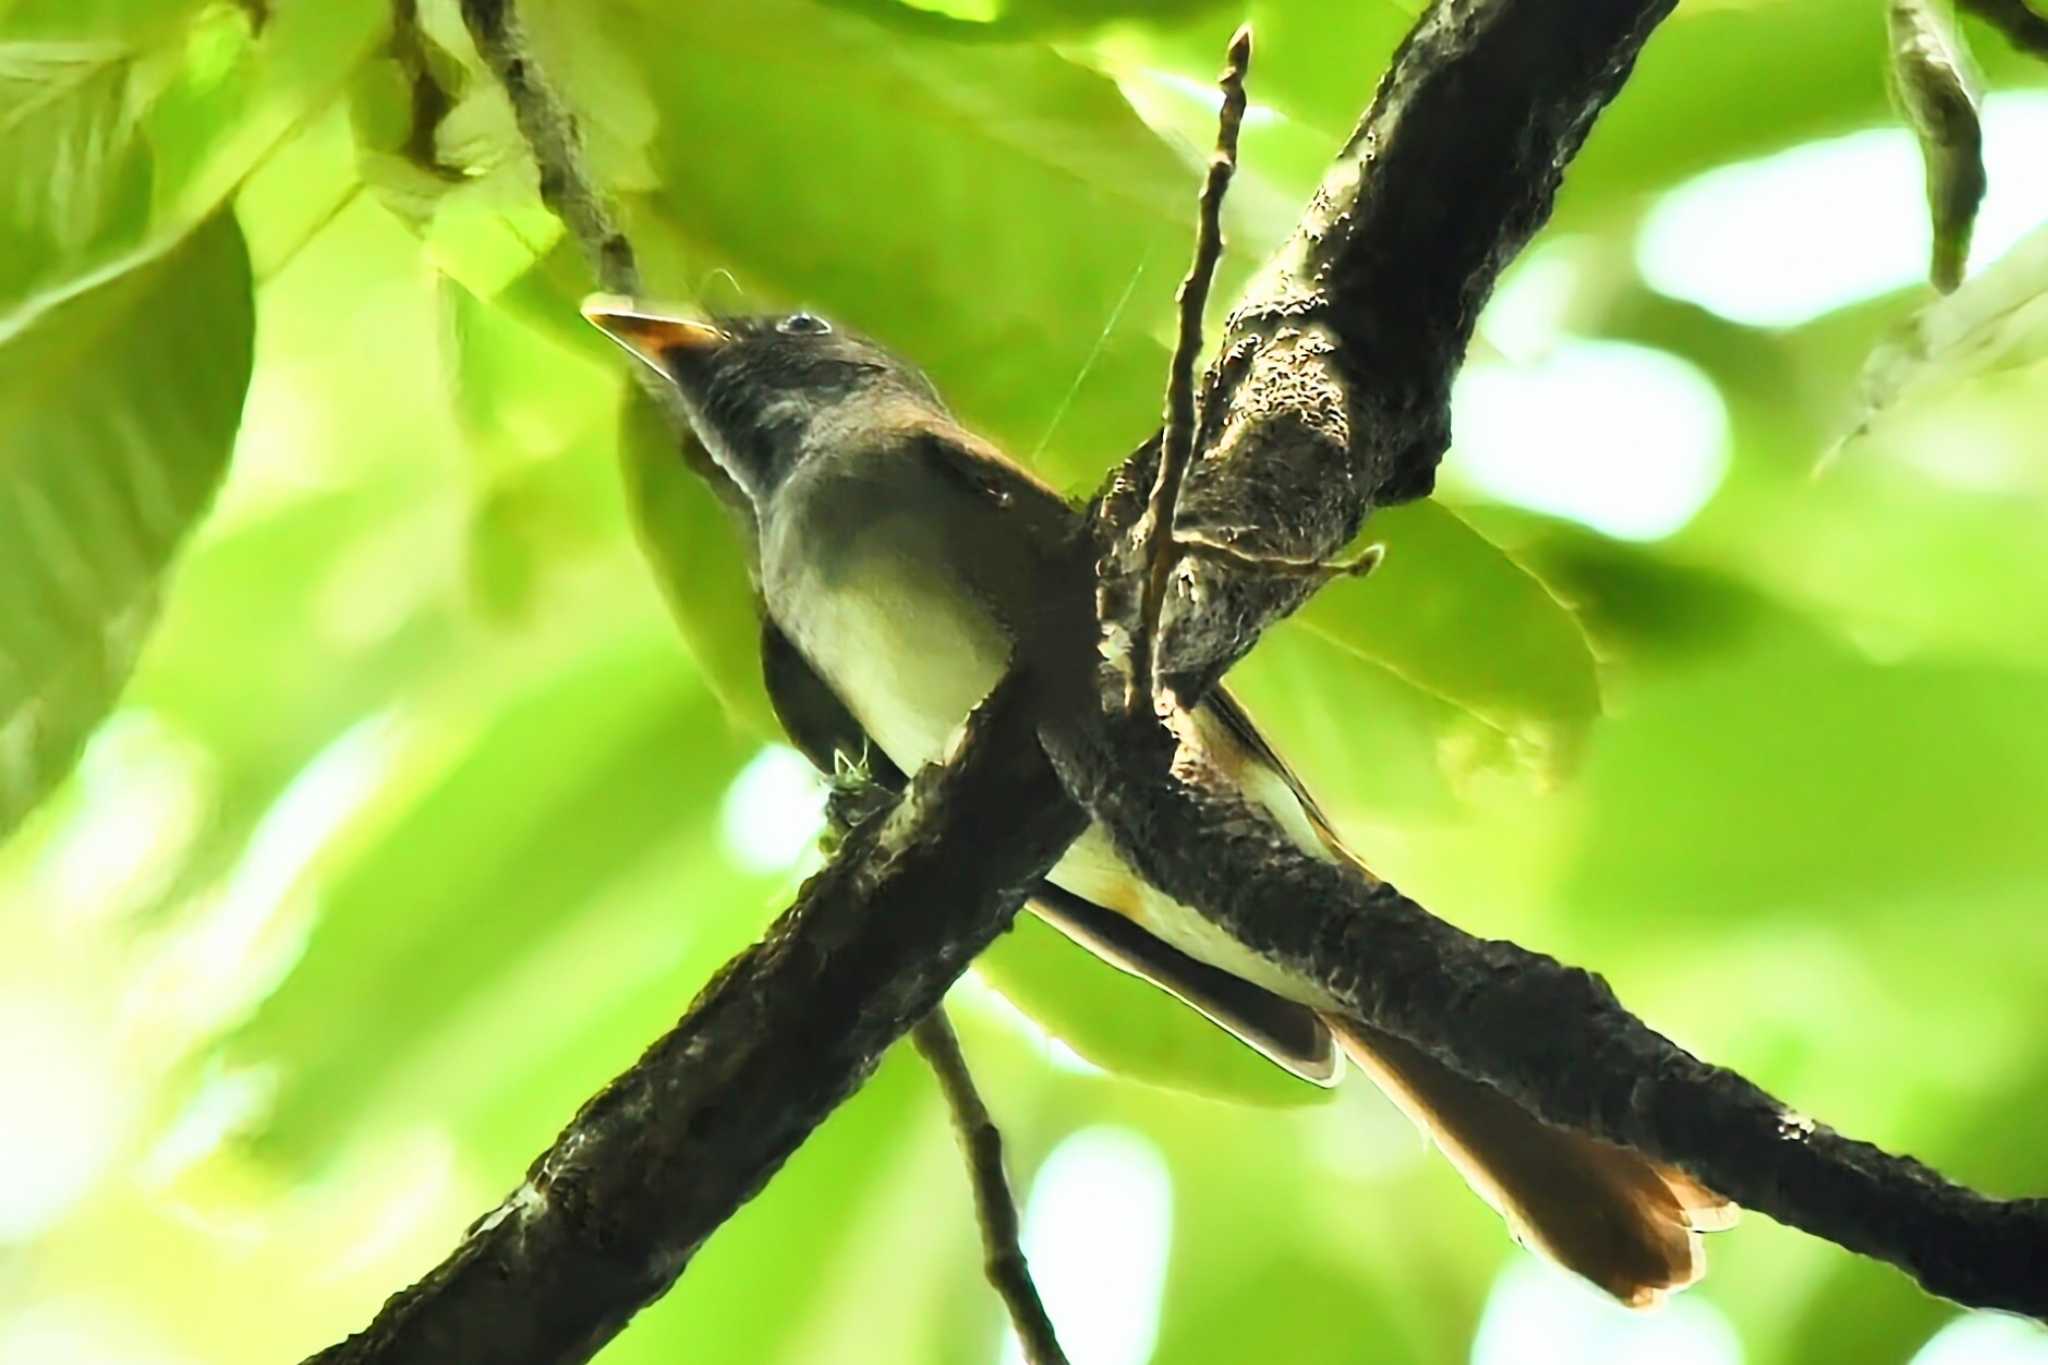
803, 325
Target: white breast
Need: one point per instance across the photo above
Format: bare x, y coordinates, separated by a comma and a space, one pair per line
909, 657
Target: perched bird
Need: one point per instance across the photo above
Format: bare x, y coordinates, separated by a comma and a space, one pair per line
899, 556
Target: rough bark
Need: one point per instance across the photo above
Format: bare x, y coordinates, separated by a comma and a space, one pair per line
611, 1213
1330, 394
981, 1144
1329, 398
1551, 1036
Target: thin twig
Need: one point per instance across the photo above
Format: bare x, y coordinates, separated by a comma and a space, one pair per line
1316, 570
568, 189
1177, 440
982, 1144
550, 130
2023, 27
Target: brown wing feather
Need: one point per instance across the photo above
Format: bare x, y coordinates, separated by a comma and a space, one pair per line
1225, 706
1611, 1215
1290, 1035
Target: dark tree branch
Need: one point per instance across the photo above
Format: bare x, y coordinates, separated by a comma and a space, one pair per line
1328, 398
609, 1216
2024, 27
1331, 392
1331, 397
981, 1143
1553, 1037
1153, 550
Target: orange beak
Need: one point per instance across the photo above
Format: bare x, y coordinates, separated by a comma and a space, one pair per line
654, 337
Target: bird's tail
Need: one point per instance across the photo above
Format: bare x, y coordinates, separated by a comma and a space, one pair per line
1611, 1215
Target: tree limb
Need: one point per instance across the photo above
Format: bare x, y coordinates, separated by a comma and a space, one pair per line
1330, 394
1552, 1037
981, 1143
2024, 27
612, 1212
1329, 397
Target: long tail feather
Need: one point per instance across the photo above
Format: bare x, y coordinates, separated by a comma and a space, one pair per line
1608, 1214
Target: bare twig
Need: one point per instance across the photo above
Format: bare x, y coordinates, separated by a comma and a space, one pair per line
981, 1142
550, 130
1317, 571
2023, 26
1154, 533
567, 188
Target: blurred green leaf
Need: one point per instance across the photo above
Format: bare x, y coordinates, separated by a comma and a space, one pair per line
1996, 324
524, 827
1640, 607
483, 222
1126, 1025
538, 420
1363, 740
967, 264
121, 409
1010, 20
695, 551
521, 395
124, 128
1450, 613
296, 193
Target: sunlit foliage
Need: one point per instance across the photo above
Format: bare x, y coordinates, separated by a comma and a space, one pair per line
352, 852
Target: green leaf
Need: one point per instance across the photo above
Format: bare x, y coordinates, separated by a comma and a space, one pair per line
697, 557
123, 132
1997, 324
562, 854
980, 20
1451, 613
120, 411
968, 264
1126, 1025
520, 394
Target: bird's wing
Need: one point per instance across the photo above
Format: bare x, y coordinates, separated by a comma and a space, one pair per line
1291, 1035
1228, 709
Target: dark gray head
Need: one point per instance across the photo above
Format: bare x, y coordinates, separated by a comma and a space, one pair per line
766, 392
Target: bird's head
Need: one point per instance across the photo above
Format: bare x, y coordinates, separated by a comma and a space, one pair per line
766, 392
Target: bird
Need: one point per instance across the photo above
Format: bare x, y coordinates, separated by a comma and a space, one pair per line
900, 558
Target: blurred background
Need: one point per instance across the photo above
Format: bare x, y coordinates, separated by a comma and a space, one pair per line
405, 810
